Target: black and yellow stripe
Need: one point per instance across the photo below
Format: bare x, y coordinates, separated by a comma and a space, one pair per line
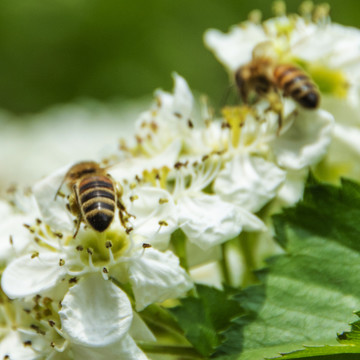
296, 84
97, 201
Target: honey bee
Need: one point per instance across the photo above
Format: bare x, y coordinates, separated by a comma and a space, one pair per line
94, 195
264, 75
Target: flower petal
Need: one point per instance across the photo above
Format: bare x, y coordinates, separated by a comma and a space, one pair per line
139, 331
124, 349
151, 207
95, 312
12, 228
307, 140
249, 181
29, 276
207, 220
234, 48
178, 104
156, 276
54, 212
13, 347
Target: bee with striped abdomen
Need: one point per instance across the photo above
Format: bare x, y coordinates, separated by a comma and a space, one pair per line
94, 195
264, 74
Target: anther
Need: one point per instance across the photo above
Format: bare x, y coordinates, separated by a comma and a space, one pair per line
37, 329
61, 262
190, 124
108, 244
105, 270
146, 246
47, 312
73, 280
34, 254
163, 223
163, 201
133, 198
27, 343
79, 248
51, 323
47, 301
178, 115
129, 230
52, 344
90, 251
11, 240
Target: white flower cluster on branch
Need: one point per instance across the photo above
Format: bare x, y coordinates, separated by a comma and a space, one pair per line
189, 184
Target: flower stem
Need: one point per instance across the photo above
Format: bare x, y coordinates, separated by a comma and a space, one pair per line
183, 351
224, 264
178, 240
246, 244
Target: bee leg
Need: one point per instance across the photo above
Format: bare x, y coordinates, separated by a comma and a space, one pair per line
74, 207
123, 214
58, 190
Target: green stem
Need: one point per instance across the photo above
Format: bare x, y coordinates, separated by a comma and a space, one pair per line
224, 264
246, 245
178, 240
183, 351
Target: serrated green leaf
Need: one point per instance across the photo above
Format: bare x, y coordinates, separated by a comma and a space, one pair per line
324, 353
204, 317
311, 291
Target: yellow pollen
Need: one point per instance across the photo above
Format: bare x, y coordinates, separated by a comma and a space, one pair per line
235, 117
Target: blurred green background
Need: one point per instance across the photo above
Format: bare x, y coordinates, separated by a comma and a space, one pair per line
63, 50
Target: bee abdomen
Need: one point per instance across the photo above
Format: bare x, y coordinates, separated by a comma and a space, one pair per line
97, 198
298, 85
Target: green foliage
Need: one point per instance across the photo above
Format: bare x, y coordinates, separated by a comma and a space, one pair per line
307, 295
61, 50
204, 317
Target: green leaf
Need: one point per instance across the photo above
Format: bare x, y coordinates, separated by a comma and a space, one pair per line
310, 292
204, 317
349, 348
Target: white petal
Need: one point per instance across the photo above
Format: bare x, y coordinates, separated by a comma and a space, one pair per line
129, 168
207, 220
125, 349
336, 45
139, 331
196, 255
307, 140
12, 346
54, 213
95, 312
181, 102
156, 276
293, 188
349, 137
26, 276
249, 182
13, 226
149, 209
235, 48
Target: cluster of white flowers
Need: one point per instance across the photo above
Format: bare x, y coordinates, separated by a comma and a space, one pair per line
196, 178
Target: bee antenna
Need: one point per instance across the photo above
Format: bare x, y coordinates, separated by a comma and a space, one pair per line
226, 95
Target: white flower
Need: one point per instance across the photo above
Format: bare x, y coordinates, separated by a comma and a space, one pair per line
330, 53
206, 219
15, 217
